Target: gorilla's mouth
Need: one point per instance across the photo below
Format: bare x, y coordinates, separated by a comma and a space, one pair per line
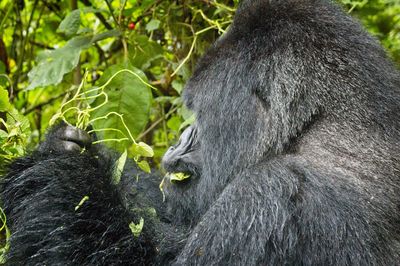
178, 178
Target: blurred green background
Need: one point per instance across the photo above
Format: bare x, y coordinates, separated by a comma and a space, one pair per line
56, 55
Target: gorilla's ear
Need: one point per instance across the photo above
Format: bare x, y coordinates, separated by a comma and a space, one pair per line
263, 94
187, 97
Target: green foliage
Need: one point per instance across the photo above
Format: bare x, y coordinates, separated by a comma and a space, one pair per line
4, 236
14, 131
128, 96
382, 19
87, 64
53, 65
70, 24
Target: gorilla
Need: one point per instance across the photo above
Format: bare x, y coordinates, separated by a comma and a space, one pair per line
293, 160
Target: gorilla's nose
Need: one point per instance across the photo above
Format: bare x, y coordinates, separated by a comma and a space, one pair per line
170, 159
181, 150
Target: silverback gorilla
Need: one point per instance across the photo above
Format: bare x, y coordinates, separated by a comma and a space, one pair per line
294, 160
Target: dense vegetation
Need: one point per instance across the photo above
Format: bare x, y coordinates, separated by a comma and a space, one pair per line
118, 65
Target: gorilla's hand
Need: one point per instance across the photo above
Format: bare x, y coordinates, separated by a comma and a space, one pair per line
65, 138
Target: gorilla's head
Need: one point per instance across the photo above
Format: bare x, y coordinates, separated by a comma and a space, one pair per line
240, 95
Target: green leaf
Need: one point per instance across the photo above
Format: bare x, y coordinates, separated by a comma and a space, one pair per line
136, 229
118, 168
83, 31
70, 24
177, 176
142, 149
177, 85
2, 67
53, 65
93, 10
153, 25
144, 165
106, 35
4, 103
3, 134
128, 96
174, 123
143, 51
146, 4
188, 122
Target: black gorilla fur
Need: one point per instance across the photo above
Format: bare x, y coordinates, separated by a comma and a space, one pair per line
298, 126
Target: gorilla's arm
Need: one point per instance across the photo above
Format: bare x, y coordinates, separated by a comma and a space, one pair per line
42, 194
285, 212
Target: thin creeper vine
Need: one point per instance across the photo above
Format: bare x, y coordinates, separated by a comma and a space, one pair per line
139, 149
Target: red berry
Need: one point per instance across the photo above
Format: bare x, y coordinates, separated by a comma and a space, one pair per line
131, 26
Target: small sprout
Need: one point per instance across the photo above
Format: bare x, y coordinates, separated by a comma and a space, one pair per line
136, 229
178, 176
85, 198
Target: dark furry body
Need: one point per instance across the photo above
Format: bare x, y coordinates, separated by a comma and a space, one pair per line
298, 120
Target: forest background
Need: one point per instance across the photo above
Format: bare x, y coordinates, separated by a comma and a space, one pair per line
119, 66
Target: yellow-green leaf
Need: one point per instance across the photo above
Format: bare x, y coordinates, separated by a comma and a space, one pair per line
136, 229
4, 103
118, 168
142, 149
178, 176
144, 166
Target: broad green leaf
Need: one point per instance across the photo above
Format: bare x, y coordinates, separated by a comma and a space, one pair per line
143, 51
4, 103
83, 31
53, 65
174, 123
153, 25
136, 229
118, 168
70, 24
128, 96
105, 35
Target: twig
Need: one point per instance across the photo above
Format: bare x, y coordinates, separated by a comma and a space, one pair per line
98, 15
49, 101
156, 123
23, 46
